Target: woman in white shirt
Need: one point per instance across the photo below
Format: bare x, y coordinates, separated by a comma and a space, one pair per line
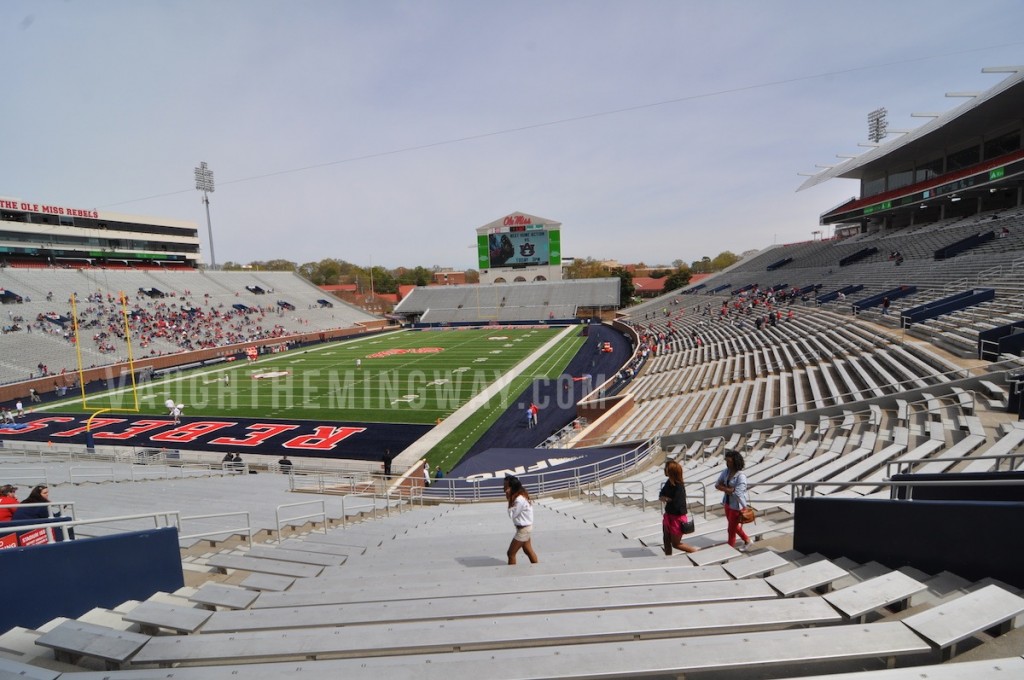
521, 512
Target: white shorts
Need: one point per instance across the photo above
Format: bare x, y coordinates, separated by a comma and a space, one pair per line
523, 533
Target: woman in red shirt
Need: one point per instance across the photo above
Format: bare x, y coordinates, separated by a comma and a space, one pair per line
8, 502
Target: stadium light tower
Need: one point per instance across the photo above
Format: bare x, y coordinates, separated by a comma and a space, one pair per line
877, 124
204, 183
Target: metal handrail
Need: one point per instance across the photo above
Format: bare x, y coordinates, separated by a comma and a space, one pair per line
630, 482
491, 488
47, 505
322, 514
797, 489
14, 479
344, 510
247, 528
71, 523
95, 471
1010, 459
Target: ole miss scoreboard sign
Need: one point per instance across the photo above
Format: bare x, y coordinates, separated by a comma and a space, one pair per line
298, 438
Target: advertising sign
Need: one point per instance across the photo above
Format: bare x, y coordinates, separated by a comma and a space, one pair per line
34, 537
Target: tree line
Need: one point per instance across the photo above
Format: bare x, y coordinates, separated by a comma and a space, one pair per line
331, 271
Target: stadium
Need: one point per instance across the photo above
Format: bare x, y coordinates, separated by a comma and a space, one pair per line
870, 380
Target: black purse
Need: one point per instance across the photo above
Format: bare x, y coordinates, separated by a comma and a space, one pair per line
688, 527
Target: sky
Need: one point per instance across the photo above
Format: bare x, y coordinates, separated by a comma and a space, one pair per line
385, 132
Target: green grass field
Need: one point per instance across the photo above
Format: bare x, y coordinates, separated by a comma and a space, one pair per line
403, 377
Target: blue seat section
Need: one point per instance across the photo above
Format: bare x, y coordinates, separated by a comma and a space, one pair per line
62, 579
951, 303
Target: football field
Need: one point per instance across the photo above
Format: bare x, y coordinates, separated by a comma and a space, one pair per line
402, 377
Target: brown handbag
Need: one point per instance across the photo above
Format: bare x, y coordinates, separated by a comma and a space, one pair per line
748, 515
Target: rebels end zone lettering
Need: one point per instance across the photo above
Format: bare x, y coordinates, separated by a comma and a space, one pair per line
264, 432
325, 438
363, 441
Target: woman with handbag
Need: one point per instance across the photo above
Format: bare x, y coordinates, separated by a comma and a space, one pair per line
733, 483
520, 509
673, 495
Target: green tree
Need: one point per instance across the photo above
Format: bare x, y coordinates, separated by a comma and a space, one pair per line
418, 276
587, 268
701, 266
275, 266
724, 260
677, 279
626, 287
384, 281
323, 273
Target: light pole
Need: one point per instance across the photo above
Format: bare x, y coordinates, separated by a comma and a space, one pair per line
204, 183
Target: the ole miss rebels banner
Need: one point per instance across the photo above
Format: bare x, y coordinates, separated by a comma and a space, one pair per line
298, 438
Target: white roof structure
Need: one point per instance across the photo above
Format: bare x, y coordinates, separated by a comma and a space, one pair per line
851, 167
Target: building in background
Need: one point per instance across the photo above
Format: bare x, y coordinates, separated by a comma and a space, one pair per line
59, 235
519, 248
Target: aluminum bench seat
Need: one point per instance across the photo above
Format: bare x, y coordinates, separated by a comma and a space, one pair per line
816, 575
314, 546
151, 616
263, 566
468, 634
267, 582
220, 595
71, 640
987, 669
674, 656
465, 585
16, 670
490, 606
949, 623
761, 563
858, 600
296, 555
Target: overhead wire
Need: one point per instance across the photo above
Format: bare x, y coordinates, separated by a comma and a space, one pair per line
572, 119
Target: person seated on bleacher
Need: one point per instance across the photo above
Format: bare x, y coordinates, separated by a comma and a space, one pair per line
8, 502
41, 494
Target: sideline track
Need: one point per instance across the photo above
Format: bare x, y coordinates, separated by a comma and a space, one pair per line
424, 444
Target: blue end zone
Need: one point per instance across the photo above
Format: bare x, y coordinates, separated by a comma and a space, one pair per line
296, 438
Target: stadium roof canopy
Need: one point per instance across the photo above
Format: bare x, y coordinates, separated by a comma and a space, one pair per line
999, 106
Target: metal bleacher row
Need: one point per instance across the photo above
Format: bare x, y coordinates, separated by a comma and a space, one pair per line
509, 302
823, 404
997, 263
206, 290
711, 374
425, 593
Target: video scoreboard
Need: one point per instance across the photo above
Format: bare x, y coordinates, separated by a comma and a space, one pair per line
519, 244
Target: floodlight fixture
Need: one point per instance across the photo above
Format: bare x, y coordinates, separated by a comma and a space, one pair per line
204, 183
877, 124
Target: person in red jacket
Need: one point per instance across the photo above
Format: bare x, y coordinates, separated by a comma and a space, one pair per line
8, 502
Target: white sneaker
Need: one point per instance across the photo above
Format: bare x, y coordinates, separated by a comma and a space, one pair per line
742, 548
748, 545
